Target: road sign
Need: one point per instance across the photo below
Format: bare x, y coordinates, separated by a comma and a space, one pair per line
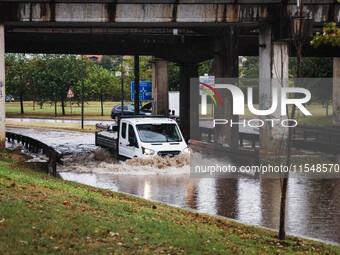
70, 93
145, 91
206, 84
208, 80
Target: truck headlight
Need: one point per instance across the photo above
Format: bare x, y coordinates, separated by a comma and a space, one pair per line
186, 150
148, 151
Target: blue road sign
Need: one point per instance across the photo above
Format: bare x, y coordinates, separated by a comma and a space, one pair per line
145, 91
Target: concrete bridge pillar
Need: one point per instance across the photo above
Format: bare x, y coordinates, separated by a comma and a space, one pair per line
274, 59
187, 71
336, 91
222, 133
2, 88
160, 87
226, 66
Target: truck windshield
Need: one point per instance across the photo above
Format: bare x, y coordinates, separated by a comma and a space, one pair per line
151, 133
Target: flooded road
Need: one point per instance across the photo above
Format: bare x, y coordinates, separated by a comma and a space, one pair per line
313, 204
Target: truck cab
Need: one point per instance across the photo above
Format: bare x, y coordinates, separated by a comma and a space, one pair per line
144, 137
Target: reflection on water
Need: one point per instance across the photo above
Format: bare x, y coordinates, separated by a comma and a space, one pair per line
313, 205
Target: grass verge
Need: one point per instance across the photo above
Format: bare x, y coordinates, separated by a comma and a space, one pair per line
64, 126
34, 220
92, 110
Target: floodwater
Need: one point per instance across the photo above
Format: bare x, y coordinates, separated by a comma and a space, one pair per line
313, 205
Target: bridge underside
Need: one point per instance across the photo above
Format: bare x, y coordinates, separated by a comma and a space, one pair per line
187, 45
146, 27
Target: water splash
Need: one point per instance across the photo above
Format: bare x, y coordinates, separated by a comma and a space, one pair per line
101, 161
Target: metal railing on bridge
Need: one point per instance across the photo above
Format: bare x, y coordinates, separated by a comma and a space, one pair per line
307, 137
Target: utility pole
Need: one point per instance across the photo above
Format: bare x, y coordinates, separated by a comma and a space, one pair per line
55, 89
122, 79
136, 71
82, 91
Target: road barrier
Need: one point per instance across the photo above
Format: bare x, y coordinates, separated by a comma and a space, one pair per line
36, 146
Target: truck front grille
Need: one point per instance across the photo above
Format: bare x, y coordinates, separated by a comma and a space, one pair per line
168, 153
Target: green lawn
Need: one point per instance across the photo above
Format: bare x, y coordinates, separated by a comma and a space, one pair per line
34, 220
92, 109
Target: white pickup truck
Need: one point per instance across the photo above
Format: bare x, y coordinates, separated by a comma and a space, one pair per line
143, 137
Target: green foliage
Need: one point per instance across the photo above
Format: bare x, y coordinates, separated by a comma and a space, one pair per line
18, 76
100, 83
50, 76
107, 62
42, 77
206, 67
330, 36
62, 72
173, 76
250, 68
319, 68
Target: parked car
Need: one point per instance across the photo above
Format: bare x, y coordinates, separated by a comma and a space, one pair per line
9, 98
147, 108
129, 109
148, 111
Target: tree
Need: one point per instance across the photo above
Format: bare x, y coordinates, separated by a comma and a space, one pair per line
101, 83
106, 62
250, 68
319, 68
62, 72
173, 76
206, 67
17, 76
39, 91
330, 36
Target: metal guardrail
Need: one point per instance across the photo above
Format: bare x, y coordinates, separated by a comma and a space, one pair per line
307, 137
241, 156
36, 146
317, 134
252, 138
314, 138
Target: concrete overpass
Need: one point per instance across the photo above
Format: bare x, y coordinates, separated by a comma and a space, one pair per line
183, 31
